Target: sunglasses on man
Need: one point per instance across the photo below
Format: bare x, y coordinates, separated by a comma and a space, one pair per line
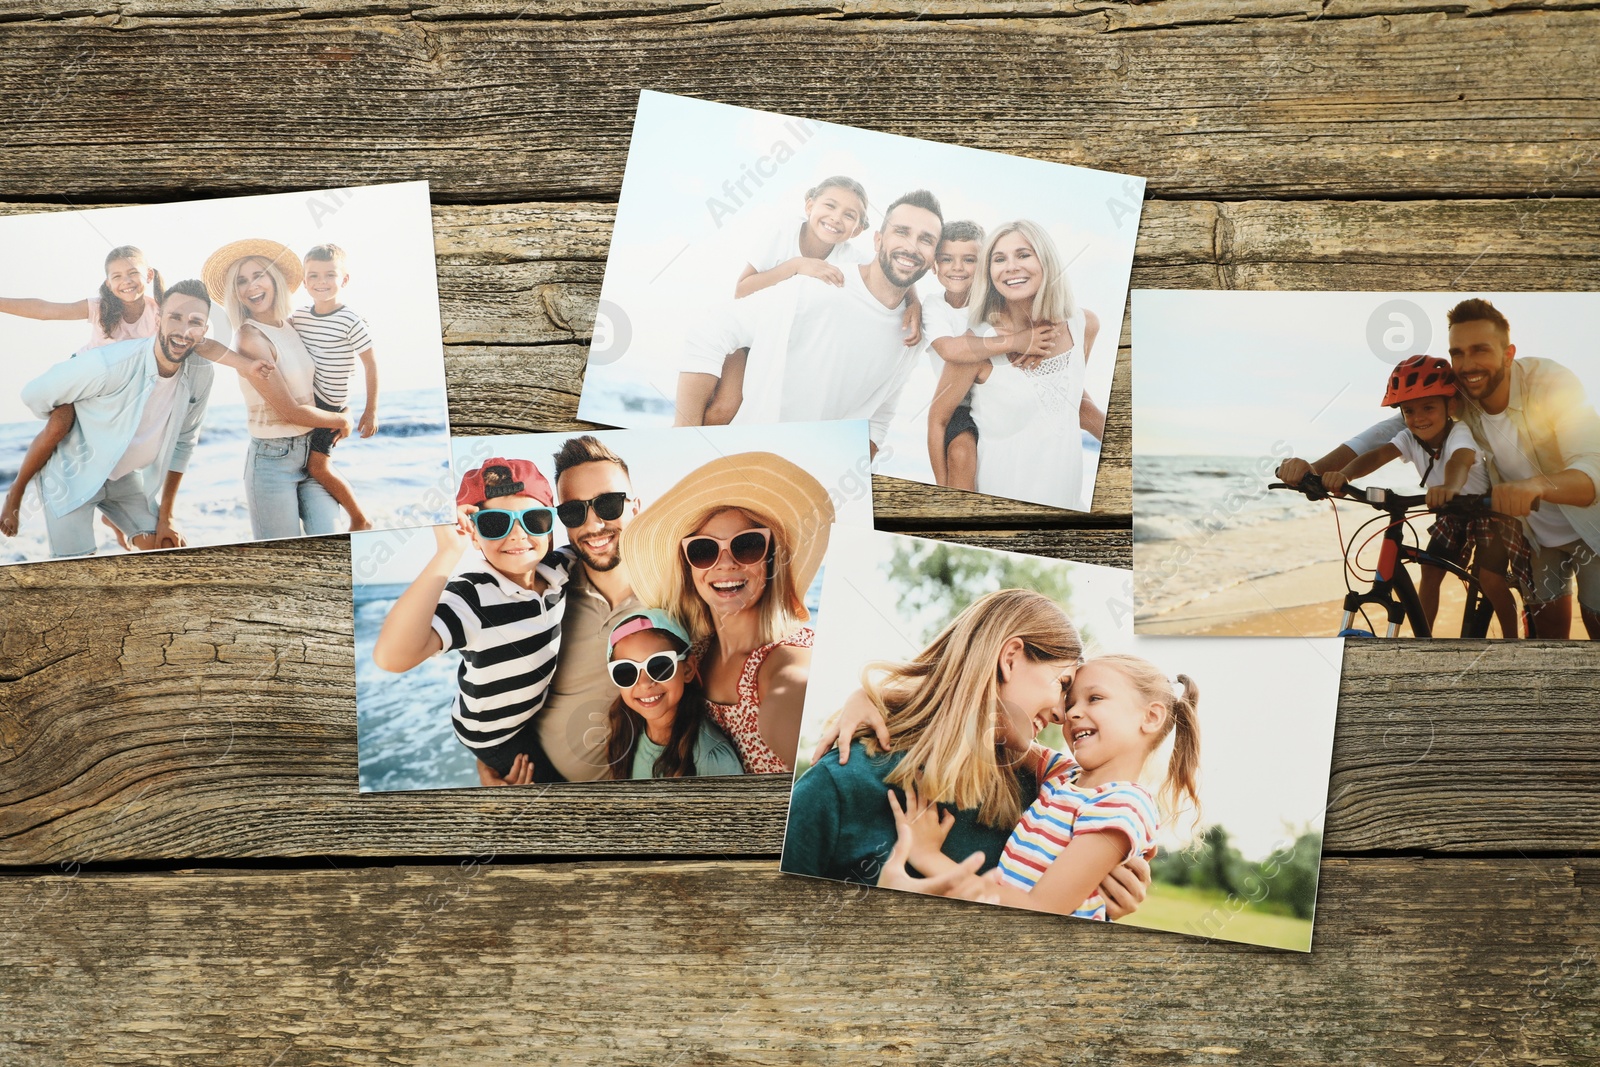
608, 507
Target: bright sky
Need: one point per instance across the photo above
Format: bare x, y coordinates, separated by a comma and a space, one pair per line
835, 453
1266, 720
1232, 373
387, 231
670, 256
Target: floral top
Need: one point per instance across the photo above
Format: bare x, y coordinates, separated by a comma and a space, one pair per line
740, 721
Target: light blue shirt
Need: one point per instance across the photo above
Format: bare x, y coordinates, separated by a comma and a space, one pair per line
108, 388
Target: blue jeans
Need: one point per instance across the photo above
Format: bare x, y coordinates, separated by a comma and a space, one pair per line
123, 501
281, 495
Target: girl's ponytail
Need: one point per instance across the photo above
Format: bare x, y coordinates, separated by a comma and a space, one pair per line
157, 290
1183, 768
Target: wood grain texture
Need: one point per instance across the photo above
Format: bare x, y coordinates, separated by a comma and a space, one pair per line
1264, 99
1438, 961
202, 705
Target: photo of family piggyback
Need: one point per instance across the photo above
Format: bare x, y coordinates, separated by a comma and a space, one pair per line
966, 304
986, 726
1400, 464
199, 393
609, 605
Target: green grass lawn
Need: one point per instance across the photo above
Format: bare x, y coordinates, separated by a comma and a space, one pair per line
1210, 914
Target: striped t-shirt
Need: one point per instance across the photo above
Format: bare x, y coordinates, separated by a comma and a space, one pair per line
1065, 809
334, 340
508, 638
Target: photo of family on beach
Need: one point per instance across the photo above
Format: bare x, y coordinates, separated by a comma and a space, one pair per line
986, 726
609, 605
967, 304
1366, 464
225, 352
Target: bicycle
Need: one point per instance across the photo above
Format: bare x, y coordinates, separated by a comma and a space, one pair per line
1392, 588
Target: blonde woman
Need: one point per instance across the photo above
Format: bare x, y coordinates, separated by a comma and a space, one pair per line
730, 552
1029, 412
253, 279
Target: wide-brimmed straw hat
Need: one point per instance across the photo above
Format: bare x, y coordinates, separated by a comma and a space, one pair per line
218, 263
780, 492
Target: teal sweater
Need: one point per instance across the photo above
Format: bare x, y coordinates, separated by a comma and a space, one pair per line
840, 825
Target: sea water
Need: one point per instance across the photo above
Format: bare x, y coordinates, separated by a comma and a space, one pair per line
401, 475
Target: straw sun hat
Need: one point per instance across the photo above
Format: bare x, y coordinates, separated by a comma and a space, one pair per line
782, 493
220, 262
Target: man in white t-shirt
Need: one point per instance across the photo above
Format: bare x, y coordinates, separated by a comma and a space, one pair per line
138, 408
820, 351
1541, 439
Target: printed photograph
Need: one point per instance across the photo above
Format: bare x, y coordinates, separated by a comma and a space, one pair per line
967, 304
985, 725
1366, 464
608, 605
220, 371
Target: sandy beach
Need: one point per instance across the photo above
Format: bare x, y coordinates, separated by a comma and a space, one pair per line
1272, 579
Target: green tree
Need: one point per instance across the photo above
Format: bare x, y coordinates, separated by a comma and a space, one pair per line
937, 580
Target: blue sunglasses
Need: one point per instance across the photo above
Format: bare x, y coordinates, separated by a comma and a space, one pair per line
494, 524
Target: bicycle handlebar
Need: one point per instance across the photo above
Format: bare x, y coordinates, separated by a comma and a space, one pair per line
1381, 499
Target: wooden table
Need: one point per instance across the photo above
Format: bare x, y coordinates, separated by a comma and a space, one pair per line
192, 876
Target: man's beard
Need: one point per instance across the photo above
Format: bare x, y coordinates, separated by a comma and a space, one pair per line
601, 566
886, 265
166, 350
1490, 384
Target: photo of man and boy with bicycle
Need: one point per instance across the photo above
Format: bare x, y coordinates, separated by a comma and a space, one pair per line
1273, 497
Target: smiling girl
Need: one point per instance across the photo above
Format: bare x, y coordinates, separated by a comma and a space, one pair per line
658, 723
1092, 813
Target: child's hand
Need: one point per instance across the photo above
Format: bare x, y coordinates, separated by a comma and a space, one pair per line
8, 519
1440, 495
1333, 481
521, 772
960, 880
263, 368
452, 540
911, 321
925, 825
819, 269
1030, 347
369, 423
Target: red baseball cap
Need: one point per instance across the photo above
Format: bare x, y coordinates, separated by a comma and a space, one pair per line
503, 477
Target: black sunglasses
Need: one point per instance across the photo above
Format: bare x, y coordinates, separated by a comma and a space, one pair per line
607, 507
661, 666
493, 524
702, 550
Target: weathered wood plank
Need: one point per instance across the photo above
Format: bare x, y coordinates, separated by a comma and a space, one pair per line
1402, 100
202, 705
1435, 961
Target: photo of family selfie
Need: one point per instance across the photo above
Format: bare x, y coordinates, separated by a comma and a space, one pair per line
209, 373
609, 605
1366, 464
1156, 782
966, 304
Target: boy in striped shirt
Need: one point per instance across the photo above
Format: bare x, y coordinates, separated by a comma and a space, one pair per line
504, 619
335, 337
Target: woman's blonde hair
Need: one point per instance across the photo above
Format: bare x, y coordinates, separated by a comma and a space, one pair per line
781, 607
1053, 302
1182, 723
943, 707
238, 314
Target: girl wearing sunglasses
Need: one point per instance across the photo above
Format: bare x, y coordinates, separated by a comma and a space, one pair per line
731, 550
658, 724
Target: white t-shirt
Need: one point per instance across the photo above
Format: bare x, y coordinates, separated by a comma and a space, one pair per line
942, 321
781, 243
817, 352
1548, 526
1459, 437
152, 428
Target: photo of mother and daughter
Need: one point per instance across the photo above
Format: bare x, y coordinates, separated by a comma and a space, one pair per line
661, 641
817, 327
124, 413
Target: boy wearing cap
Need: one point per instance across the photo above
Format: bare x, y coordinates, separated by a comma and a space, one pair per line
504, 619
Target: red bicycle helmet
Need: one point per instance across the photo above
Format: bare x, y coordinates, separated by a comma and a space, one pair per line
1418, 376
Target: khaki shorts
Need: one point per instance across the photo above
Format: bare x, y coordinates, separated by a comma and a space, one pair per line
1554, 569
